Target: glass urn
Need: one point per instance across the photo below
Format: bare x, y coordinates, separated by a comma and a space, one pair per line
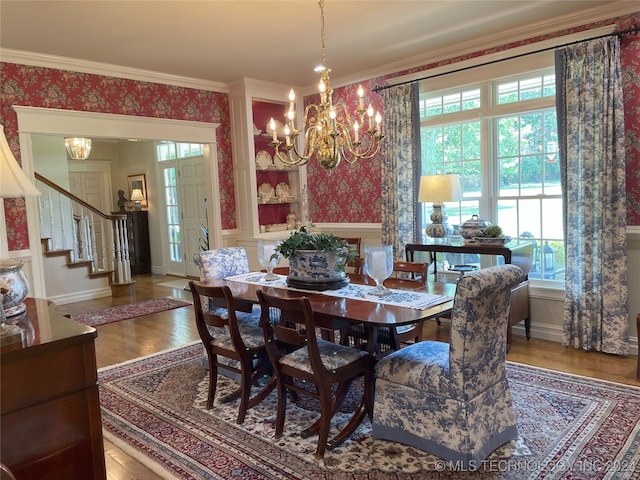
14, 286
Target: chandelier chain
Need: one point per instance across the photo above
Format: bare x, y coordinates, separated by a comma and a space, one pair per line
322, 37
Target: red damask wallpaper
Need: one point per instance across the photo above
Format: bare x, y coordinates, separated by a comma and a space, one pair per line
351, 194
50, 88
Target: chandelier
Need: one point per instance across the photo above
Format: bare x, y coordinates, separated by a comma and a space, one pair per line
327, 130
78, 148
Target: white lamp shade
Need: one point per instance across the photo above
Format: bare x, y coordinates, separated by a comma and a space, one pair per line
136, 195
13, 181
78, 148
440, 188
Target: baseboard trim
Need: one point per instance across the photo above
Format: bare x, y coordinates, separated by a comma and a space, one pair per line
553, 333
81, 296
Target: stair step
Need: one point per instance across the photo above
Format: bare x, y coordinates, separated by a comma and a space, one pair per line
101, 273
57, 253
79, 264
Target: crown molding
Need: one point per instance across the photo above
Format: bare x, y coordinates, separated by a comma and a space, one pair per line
96, 68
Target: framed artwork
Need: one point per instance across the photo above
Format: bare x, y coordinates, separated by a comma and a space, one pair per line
138, 181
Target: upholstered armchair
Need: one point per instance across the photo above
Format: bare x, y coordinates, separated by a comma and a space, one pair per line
453, 399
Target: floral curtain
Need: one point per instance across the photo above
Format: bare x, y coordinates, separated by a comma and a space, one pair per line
591, 130
400, 155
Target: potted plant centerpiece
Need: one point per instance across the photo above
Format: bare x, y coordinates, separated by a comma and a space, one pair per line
491, 235
316, 260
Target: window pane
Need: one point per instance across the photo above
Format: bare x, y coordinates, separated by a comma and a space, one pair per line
169, 176
526, 87
450, 102
173, 215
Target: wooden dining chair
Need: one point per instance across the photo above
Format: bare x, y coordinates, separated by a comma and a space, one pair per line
234, 346
354, 265
312, 367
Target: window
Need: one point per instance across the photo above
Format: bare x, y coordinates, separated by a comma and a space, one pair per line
500, 135
173, 150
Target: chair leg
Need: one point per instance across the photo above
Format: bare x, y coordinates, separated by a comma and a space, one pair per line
245, 389
326, 414
527, 327
282, 406
213, 378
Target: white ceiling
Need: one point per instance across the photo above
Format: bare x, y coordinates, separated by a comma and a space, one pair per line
279, 41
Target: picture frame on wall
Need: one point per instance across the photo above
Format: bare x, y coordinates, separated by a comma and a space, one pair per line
138, 181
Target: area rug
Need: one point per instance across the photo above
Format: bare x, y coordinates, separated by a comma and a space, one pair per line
153, 408
131, 310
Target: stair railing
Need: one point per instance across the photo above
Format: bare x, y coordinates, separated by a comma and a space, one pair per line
96, 237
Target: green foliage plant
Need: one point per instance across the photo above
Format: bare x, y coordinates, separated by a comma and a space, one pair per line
492, 231
326, 242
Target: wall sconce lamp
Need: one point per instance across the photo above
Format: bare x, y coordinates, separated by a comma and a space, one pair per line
439, 189
137, 198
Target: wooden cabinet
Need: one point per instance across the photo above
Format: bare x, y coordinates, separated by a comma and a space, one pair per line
138, 236
50, 413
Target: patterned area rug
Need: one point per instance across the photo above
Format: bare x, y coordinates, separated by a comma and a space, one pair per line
131, 310
153, 408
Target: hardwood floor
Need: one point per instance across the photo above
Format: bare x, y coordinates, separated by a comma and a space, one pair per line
129, 339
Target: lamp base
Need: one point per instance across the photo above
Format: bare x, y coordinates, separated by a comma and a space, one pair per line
10, 334
439, 228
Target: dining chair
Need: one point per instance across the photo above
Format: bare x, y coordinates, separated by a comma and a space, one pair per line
219, 263
406, 275
453, 399
355, 264
233, 346
312, 367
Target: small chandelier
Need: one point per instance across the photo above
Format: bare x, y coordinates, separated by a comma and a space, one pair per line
78, 148
328, 130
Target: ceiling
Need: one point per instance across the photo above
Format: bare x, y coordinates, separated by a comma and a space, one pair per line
279, 41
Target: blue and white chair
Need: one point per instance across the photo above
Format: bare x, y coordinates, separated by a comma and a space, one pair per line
453, 399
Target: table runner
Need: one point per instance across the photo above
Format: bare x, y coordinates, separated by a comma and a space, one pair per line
399, 298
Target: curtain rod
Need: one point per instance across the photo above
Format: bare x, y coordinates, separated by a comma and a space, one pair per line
632, 30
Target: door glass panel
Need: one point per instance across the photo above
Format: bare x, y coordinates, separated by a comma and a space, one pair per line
173, 213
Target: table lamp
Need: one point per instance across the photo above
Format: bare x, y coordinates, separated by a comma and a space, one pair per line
439, 189
13, 284
137, 198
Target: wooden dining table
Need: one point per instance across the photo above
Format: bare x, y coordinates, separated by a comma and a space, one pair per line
334, 313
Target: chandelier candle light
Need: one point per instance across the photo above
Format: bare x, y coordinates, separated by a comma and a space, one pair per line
327, 130
439, 189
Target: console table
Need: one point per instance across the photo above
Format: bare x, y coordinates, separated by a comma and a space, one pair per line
50, 412
447, 247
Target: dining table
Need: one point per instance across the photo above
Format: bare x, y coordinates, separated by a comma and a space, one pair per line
332, 312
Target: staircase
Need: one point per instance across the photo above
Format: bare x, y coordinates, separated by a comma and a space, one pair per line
86, 251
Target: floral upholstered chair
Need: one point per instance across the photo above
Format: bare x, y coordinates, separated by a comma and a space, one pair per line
453, 399
220, 263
